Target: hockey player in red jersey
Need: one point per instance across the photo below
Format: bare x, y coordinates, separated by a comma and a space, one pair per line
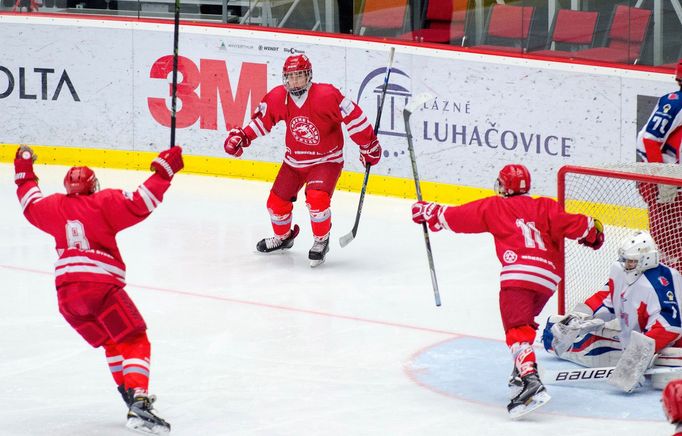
90, 273
527, 232
660, 141
313, 113
672, 404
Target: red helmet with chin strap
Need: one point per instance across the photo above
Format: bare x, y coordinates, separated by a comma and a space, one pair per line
80, 181
294, 64
514, 179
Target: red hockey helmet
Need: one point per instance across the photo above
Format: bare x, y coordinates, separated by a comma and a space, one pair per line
514, 179
80, 181
678, 72
296, 66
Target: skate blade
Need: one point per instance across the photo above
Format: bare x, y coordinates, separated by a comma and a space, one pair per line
139, 426
316, 262
538, 401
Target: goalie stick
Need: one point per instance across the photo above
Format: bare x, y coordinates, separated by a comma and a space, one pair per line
416, 102
347, 238
176, 31
577, 375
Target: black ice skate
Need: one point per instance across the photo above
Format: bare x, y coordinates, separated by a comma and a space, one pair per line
274, 243
142, 419
515, 384
533, 395
127, 395
317, 253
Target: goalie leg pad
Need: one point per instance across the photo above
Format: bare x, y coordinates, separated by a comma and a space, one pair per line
637, 358
672, 401
669, 357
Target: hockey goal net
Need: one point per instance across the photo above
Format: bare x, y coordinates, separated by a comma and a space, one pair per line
624, 197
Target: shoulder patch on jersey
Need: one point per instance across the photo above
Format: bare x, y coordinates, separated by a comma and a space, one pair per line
346, 107
510, 256
128, 195
261, 109
673, 96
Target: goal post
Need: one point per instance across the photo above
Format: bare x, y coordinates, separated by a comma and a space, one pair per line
624, 197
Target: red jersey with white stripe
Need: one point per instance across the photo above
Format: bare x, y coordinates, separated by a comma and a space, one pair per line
84, 227
313, 123
527, 232
649, 306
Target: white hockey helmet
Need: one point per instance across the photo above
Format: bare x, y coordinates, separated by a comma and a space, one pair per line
639, 247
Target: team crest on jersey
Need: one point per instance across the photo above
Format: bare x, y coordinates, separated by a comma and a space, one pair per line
673, 96
304, 131
509, 256
670, 295
666, 108
662, 280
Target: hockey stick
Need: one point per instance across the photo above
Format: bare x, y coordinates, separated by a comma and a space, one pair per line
176, 31
347, 238
416, 102
567, 376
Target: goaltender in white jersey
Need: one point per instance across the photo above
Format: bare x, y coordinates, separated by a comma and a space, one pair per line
633, 323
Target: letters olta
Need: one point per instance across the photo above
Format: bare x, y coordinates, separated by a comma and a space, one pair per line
201, 88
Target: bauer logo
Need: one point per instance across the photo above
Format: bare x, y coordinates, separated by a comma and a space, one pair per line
36, 83
584, 374
397, 96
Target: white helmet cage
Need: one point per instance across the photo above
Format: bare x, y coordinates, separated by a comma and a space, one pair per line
639, 246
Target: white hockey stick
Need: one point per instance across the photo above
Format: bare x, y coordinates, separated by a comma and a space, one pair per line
578, 375
417, 102
347, 238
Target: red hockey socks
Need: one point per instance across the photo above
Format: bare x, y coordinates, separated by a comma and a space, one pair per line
136, 353
280, 215
320, 213
519, 340
115, 361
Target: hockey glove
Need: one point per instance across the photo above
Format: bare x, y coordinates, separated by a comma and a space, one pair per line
370, 153
168, 162
595, 236
236, 141
423, 212
23, 165
672, 401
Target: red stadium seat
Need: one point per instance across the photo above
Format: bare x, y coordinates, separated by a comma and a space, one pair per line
444, 22
571, 31
382, 17
627, 34
508, 28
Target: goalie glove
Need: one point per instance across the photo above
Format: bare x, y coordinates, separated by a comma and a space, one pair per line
168, 163
370, 153
595, 236
23, 165
423, 212
573, 325
236, 141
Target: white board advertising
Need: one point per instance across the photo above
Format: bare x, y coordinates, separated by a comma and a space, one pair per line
105, 84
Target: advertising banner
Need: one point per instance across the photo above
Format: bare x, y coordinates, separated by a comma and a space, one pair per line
106, 85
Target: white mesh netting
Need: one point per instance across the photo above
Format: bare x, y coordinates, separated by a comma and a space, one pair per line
624, 197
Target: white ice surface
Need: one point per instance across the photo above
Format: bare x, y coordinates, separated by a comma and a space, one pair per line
251, 344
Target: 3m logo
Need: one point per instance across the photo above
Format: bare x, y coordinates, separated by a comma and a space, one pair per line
202, 88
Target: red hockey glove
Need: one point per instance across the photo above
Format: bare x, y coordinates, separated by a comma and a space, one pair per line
23, 165
672, 401
370, 153
168, 162
595, 237
423, 212
236, 141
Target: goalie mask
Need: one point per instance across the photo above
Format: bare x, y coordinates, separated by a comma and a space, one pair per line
297, 73
638, 253
514, 179
80, 181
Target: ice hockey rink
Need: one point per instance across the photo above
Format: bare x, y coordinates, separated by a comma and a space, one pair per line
249, 344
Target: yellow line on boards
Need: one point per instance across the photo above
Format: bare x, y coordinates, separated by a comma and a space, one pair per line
243, 169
